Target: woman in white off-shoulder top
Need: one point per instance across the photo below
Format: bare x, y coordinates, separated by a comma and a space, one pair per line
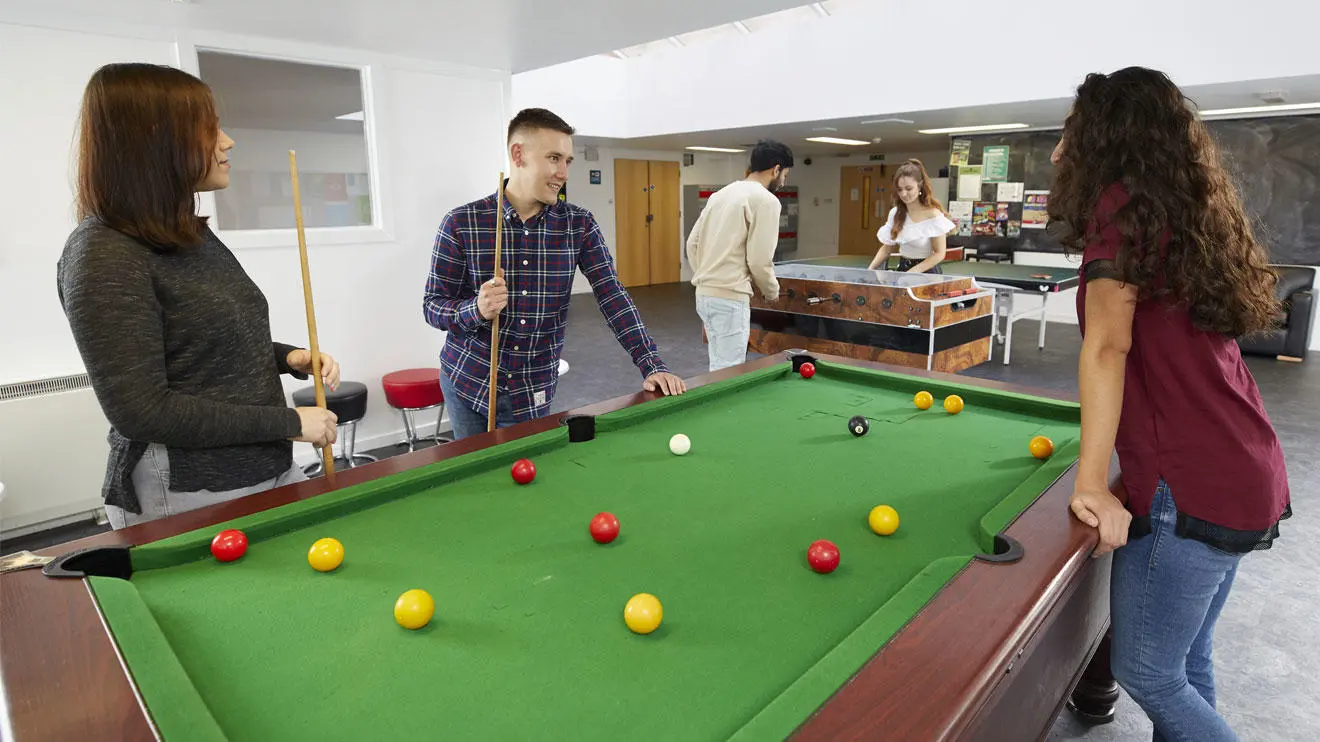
917, 225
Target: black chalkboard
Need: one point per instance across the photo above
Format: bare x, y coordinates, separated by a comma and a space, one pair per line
1274, 161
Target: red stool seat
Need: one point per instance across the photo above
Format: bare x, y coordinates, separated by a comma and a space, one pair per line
413, 388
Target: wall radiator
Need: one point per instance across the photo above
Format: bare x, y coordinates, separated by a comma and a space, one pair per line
52, 454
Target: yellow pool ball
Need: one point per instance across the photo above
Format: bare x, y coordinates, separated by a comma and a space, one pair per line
923, 400
325, 555
1041, 447
643, 613
953, 404
414, 609
883, 520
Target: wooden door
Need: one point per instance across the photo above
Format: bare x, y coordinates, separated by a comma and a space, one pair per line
864, 195
666, 224
632, 196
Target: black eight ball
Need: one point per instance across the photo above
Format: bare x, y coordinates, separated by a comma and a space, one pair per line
858, 426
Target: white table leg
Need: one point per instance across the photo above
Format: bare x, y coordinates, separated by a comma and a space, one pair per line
1044, 303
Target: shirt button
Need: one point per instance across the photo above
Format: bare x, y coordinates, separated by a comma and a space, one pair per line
515, 347
524, 292
525, 232
524, 262
522, 321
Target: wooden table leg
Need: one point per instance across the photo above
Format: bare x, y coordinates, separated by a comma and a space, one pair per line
1096, 695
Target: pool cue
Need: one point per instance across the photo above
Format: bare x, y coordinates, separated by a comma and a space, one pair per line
327, 451
495, 323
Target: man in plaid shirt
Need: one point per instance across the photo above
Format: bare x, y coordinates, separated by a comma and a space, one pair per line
545, 241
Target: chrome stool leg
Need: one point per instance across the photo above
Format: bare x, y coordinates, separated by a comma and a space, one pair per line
409, 431
350, 457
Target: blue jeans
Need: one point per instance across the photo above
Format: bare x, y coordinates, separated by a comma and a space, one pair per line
466, 421
151, 481
1165, 597
728, 327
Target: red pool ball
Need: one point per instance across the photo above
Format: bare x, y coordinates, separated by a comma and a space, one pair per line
229, 545
807, 370
823, 556
604, 528
523, 471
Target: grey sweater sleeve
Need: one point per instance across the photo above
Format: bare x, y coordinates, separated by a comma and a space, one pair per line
282, 351
106, 288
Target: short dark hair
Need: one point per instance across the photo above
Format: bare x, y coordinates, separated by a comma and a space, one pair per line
531, 119
767, 153
163, 121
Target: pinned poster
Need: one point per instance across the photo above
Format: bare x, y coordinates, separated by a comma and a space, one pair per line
960, 213
961, 152
1010, 192
995, 162
983, 218
1034, 213
969, 183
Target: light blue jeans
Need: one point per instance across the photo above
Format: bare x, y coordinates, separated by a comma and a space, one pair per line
1165, 597
151, 482
728, 324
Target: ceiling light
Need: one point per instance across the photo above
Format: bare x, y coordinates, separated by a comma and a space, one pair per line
619, 53
716, 149
824, 128
820, 10
970, 129
1262, 109
887, 121
355, 116
836, 140
675, 41
742, 27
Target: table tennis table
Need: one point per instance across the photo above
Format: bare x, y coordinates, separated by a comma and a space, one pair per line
1008, 281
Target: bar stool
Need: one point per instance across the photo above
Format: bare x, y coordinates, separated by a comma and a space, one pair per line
349, 402
415, 390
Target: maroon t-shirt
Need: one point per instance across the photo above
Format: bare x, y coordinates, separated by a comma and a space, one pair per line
1191, 411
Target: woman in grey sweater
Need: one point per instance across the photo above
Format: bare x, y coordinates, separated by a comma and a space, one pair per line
174, 334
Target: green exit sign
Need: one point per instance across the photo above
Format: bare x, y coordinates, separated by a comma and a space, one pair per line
877, 158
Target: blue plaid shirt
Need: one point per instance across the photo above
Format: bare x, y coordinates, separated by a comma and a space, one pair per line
539, 259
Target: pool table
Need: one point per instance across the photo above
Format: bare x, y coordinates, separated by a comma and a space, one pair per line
974, 620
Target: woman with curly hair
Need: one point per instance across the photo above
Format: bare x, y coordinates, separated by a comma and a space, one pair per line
1171, 275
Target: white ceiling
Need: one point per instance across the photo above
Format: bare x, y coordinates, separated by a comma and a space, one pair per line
514, 35
897, 136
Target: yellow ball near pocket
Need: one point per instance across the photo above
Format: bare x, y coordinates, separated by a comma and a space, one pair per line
414, 609
1041, 447
883, 520
325, 555
923, 400
643, 613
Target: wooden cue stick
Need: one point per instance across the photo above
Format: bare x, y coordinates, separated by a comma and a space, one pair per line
495, 323
327, 451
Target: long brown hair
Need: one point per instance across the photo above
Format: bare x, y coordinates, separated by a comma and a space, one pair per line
925, 193
147, 138
1136, 128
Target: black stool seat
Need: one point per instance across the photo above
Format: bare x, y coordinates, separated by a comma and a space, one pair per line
349, 401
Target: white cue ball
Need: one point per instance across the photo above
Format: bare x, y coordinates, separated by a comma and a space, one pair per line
680, 444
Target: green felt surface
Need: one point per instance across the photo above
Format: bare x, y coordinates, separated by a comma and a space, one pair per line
528, 639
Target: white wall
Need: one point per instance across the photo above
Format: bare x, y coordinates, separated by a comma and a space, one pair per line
368, 293
742, 81
38, 129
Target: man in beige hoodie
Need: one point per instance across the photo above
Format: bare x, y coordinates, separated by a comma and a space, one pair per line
732, 249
